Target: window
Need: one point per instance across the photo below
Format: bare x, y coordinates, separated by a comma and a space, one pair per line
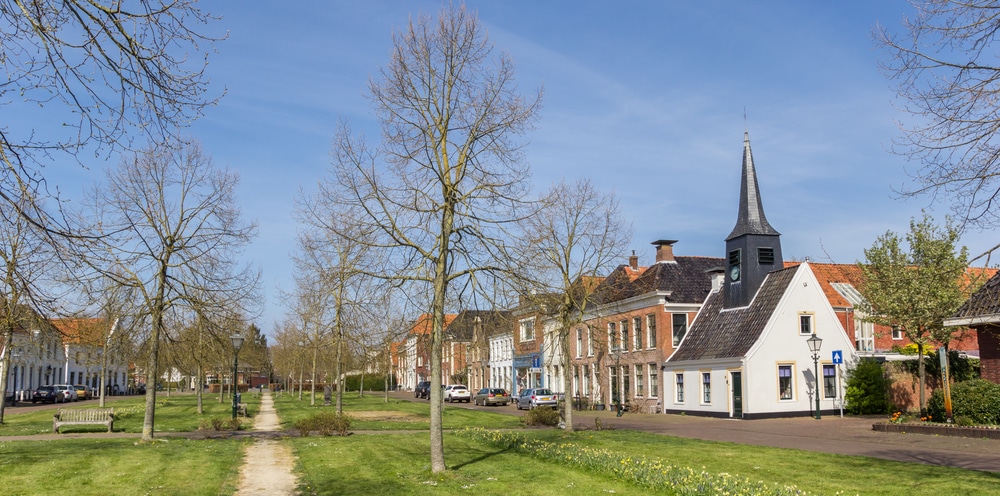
734, 265
805, 324
897, 333
626, 389
624, 327
785, 382
651, 330
586, 380
579, 343
829, 381
639, 392
613, 382
680, 327
590, 342
612, 336
765, 256
706, 387
637, 332
654, 381
679, 388
528, 330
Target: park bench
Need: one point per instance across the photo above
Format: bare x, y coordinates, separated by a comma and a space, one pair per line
93, 416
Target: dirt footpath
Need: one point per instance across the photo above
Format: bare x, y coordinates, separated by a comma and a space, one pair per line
268, 463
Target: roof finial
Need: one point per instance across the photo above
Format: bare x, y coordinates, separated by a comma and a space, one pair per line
745, 126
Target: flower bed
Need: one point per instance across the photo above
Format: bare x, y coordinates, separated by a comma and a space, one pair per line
938, 430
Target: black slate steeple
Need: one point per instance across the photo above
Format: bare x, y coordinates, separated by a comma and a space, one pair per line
754, 247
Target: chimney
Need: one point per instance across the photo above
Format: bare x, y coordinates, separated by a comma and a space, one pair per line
633, 261
665, 250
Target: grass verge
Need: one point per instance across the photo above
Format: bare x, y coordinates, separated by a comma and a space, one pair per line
174, 413
373, 413
98, 467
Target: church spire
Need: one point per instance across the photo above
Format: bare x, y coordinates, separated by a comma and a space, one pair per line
751, 218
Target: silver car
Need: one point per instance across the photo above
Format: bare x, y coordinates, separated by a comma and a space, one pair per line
68, 392
535, 397
491, 396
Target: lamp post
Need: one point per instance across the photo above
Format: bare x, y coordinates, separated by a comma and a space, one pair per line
814, 345
237, 344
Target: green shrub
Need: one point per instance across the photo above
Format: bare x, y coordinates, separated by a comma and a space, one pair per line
867, 389
372, 383
325, 423
541, 416
975, 402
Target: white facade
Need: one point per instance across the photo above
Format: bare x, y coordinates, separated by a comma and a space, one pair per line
552, 360
408, 364
776, 377
502, 361
37, 358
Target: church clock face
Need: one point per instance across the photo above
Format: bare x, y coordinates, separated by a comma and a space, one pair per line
734, 273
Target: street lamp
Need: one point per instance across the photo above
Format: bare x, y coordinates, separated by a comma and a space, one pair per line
237, 344
814, 345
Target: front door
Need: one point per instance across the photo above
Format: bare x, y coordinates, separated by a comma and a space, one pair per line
736, 380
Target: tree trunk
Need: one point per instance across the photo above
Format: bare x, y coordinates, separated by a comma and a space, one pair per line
312, 390
920, 369
5, 369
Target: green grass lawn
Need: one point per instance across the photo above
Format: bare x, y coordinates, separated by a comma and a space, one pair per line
373, 413
174, 413
399, 463
101, 467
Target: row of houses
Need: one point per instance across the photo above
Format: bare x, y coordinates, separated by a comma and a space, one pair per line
726, 337
64, 351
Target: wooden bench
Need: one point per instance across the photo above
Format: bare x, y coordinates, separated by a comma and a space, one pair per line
93, 416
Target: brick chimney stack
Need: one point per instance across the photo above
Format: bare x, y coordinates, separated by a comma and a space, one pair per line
665, 250
633, 261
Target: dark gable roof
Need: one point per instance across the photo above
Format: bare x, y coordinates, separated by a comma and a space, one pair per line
985, 301
730, 334
688, 280
492, 321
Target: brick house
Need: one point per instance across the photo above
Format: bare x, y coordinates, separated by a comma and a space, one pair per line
638, 317
982, 313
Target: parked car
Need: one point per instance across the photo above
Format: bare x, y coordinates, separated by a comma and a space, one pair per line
491, 396
83, 392
46, 394
68, 392
423, 390
457, 392
532, 398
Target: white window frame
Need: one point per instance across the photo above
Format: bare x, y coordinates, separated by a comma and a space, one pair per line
623, 336
832, 392
579, 343
679, 387
673, 331
706, 388
654, 380
612, 336
640, 386
590, 341
527, 329
897, 333
637, 333
651, 331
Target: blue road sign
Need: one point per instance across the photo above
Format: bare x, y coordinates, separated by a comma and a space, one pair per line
838, 357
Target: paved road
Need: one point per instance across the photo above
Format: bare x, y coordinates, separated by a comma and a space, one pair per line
831, 434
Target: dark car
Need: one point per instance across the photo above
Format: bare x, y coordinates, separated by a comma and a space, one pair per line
46, 394
423, 390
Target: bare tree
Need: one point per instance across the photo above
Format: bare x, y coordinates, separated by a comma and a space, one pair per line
169, 224
27, 275
448, 174
566, 247
106, 72
946, 76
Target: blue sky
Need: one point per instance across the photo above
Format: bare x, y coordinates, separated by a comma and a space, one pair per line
646, 98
